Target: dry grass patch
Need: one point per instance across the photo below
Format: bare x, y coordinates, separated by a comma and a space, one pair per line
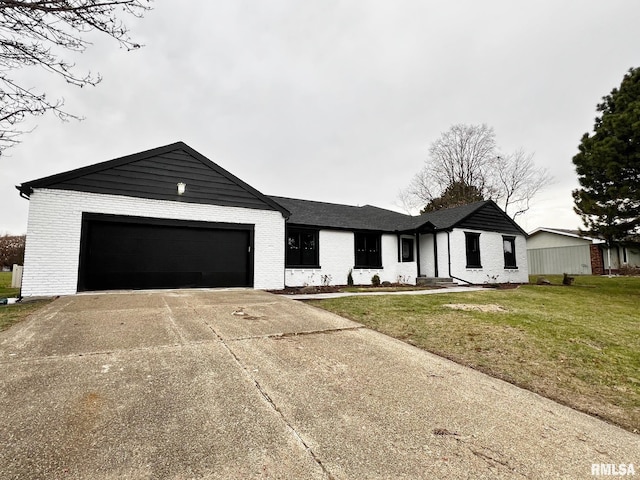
475, 307
11, 314
579, 345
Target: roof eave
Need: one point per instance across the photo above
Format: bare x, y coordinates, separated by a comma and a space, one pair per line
25, 191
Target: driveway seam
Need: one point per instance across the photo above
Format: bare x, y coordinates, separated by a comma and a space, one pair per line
271, 403
47, 358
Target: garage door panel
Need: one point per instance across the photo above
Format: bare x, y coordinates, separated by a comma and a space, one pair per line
125, 255
137, 280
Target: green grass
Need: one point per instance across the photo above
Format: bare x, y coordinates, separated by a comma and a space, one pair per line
5, 286
12, 314
579, 345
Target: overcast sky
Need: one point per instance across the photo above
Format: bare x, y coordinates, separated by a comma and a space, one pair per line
338, 101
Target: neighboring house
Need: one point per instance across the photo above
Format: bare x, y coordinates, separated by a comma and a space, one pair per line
169, 218
556, 251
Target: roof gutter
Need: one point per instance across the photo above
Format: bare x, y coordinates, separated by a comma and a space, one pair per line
449, 259
22, 190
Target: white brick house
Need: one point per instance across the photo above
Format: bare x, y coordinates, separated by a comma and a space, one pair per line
169, 217
472, 244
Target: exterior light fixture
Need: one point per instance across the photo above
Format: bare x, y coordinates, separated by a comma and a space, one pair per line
181, 188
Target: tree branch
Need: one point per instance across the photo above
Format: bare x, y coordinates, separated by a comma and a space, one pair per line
31, 34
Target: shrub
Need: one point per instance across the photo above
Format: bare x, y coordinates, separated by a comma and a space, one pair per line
350, 278
375, 280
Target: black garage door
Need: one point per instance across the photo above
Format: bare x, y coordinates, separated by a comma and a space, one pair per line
136, 253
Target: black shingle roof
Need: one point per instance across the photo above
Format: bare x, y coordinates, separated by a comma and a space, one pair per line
485, 215
338, 216
449, 217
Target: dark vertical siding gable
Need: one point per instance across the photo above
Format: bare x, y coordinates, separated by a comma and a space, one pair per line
490, 218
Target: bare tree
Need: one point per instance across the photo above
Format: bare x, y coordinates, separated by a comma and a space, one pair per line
465, 159
461, 155
34, 33
516, 180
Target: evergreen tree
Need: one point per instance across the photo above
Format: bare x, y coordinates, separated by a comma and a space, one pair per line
608, 165
455, 195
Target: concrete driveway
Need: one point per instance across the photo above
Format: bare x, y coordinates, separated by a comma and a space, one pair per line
245, 384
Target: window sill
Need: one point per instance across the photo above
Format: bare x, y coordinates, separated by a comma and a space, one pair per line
303, 267
368, 267
511, 268
474, 267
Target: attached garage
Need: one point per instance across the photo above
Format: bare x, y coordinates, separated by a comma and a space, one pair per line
164, 218
119, 252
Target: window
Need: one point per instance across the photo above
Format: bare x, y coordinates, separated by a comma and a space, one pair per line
302, 248
509, 247
368, 253
472, 241
407, 250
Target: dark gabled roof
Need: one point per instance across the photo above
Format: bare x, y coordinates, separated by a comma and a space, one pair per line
343, 217
154, 174
447, 218
484, 215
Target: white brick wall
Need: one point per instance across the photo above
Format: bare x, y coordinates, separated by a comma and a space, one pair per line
55, 219
337, 257
491, 258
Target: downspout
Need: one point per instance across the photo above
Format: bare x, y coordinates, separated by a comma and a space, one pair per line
284, 270
449, 258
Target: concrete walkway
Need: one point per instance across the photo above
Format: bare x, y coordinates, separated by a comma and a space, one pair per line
322, 296
244, 384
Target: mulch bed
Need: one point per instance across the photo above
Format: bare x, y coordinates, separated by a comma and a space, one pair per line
339, 288
303, 290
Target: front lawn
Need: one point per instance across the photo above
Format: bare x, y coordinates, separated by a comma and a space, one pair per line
10, 314
579, 345
5, 286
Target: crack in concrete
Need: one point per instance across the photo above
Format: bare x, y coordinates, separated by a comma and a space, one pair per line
272, 404
172, 321
280, 336
488, 458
